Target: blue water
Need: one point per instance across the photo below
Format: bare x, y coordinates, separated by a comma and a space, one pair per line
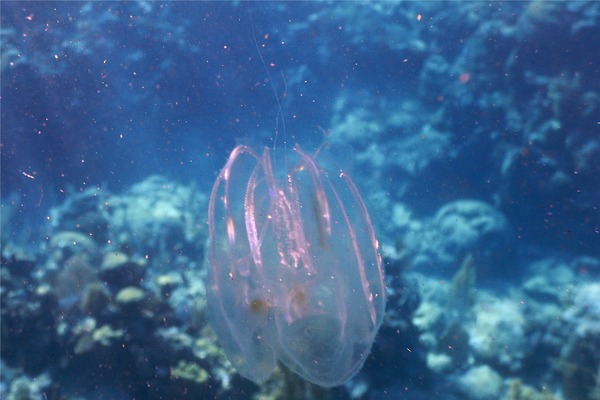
471, 129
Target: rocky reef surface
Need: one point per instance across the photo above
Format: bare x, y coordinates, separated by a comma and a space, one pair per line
95, 312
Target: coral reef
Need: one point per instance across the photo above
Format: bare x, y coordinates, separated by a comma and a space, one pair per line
90, 301
499, 325
159, 218
189, 371
25, 388
460, 228
480, 383
519, 391
544, 330
474, 135
579, 362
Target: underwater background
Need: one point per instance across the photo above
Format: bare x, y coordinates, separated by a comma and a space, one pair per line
471, 130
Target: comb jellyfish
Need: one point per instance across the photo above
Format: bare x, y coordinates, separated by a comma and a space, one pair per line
294, 270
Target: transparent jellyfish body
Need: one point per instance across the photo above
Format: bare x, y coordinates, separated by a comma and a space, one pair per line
295, 274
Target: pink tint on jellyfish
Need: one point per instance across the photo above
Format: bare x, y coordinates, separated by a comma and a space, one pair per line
295, 274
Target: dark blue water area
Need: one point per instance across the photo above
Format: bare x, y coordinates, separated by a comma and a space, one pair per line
105, 94
108, 93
